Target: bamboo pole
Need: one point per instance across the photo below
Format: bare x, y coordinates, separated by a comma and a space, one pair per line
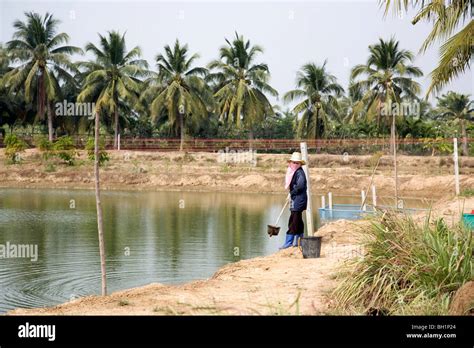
100, 227
371, 179
374, 197
395, 166
309, 208
456, 166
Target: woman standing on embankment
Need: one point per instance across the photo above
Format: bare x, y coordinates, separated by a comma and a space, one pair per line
295, 182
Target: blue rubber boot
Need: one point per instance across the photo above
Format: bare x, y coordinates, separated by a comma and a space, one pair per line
298, 239
288, 241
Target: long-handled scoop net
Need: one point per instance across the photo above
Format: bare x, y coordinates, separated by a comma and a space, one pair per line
273, 230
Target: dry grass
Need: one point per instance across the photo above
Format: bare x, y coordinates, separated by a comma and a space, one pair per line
407, 268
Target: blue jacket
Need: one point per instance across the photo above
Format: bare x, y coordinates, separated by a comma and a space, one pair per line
299, 197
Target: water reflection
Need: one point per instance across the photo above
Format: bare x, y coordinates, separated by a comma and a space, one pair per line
167, 237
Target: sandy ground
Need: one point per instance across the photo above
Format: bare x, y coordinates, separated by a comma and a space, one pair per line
420, 177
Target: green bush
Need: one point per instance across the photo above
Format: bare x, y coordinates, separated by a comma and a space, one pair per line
103, 155
42, 143
64, 149
13, 147
407, 268
469, 192
437, 147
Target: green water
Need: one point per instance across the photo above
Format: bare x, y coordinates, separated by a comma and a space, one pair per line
166, 237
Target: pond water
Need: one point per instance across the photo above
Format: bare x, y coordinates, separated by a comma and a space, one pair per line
165, 237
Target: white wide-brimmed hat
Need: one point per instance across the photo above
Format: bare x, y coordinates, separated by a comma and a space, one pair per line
296, 157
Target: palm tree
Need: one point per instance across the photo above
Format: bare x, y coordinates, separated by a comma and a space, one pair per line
4, 61
447, 17
4, 68
114, 76
386, 78
13, 108
350, 107
180, 90
461, 108
241, 85
5, 99
319, 90
43, 61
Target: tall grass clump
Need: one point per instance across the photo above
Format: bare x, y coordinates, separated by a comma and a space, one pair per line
407, 268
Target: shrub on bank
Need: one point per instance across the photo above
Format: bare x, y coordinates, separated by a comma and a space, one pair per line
13, 147
62, 148
407, 268
42, 143
468, 192
103, 155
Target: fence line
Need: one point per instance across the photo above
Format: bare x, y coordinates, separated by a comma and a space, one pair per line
215, 145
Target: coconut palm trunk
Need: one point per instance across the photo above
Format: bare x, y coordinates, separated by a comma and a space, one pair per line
42, 103
251, 136
318, 148
465, 149
99, 206
181, 130
116, 128
50, 122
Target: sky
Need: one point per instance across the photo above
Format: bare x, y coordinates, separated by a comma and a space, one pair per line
291, 33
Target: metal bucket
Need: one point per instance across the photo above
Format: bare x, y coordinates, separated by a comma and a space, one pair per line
311, 247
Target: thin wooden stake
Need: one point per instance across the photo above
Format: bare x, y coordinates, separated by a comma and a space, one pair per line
456, 166
309, 208
374, 196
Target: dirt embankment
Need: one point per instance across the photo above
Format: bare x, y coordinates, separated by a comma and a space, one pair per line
428, 177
